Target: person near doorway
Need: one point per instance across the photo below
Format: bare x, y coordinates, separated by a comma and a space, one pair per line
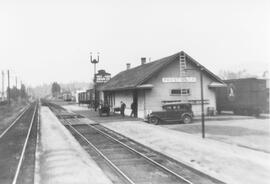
122, 108
133, 109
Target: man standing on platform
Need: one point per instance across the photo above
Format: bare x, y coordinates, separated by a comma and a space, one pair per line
123, 107
133, 109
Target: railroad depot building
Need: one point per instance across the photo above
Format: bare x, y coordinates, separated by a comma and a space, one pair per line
175, 78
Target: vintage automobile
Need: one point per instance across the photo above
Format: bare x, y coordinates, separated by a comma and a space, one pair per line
176, 112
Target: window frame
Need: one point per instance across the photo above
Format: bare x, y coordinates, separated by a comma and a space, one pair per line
181, 92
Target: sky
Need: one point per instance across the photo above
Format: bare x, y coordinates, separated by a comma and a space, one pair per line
51, 40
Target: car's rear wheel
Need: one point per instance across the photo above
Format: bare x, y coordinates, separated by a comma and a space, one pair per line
187, 119
154, 120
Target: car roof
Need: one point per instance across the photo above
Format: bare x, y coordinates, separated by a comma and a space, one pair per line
176, 103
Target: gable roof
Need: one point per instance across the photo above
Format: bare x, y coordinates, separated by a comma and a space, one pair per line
130, 79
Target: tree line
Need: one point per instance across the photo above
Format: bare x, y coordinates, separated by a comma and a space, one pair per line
56, 89
15, 93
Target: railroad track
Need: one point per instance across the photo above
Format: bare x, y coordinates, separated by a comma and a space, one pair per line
116, 154
17, 148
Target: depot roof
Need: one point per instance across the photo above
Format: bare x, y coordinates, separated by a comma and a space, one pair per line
134, 78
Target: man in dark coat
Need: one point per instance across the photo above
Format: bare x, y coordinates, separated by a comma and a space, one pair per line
122, 108
133, 109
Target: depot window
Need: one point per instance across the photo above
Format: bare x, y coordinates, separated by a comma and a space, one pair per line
180, 92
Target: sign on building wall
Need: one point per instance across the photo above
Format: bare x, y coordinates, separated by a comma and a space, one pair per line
193, 102
178, 79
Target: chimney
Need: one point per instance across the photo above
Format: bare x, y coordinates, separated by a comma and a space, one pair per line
143, 60
128, 66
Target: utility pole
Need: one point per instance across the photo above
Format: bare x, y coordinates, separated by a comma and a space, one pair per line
16, 82
202, 100
94, 61
8, 88
3, 85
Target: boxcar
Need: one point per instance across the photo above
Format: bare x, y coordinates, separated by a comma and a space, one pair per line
86, 97
67, 97
82, 98
248, 96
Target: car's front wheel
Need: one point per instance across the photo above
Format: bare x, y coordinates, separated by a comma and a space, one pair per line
187, 119
154, 120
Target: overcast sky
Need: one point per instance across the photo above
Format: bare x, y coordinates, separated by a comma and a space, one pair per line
50, 40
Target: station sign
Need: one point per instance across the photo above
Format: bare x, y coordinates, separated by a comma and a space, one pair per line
178, 79
102, 78
193, 102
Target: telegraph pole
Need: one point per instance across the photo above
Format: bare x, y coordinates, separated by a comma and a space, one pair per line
202, 100
8, 88
94, 61
3, 85
16, 82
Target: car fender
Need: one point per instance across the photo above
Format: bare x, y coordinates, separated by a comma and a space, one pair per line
186, 114
156, 116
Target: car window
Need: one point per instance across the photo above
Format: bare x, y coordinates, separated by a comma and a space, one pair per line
168, 107
165, 107
184, 107
181, 107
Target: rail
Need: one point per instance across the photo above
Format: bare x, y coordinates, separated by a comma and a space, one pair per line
96, 149
142, 155
15, 121
24, 147
158, 165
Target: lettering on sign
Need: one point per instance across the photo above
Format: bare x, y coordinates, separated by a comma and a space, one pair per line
102, 79
178, 79
193, 102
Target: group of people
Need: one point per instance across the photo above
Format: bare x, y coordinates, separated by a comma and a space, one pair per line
133, 107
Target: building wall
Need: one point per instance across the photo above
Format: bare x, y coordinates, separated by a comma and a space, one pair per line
151, 99
162, 91
126, 97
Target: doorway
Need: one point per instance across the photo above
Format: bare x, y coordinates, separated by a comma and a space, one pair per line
135, 101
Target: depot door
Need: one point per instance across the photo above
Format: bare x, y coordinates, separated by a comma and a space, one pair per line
135, 100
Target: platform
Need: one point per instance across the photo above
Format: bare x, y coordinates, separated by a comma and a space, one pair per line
60, 158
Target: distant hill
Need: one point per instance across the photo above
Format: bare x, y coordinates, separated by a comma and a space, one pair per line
45, 89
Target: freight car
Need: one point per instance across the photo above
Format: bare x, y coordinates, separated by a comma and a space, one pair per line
67, 97
247, 96
86, 97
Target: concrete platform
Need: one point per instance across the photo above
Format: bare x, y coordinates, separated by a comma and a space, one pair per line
60, 158
223, 117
